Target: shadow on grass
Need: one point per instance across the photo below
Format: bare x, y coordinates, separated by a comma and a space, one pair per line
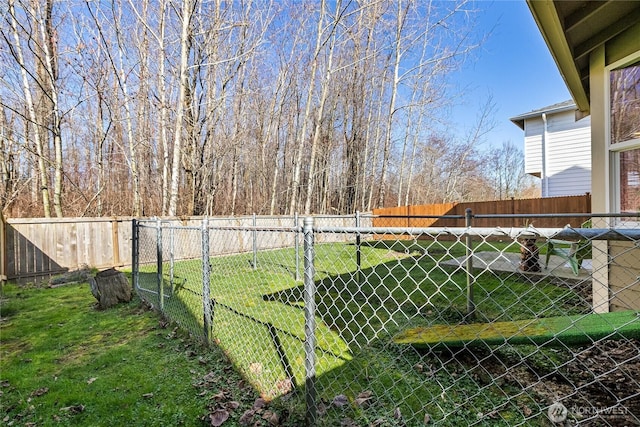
259, 322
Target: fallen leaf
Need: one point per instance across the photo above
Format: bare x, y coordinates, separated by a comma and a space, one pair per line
232, 405
90, 380
259, 403
427, 419
274, 419
74, 409
218, 417
40, 391
218, 396
363, 398
365, 394
147, 395
339, 401
247, 417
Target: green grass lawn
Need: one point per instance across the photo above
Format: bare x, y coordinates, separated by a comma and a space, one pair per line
259, 322
62, 362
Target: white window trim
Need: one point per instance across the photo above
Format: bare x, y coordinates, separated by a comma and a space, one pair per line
613, 150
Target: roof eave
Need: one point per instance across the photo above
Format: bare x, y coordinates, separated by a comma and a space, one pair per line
548, 21
552, 109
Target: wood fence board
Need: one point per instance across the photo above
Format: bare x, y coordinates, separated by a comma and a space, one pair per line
569, 204
29, 251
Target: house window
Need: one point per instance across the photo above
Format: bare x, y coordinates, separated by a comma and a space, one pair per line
630, 180
624, 100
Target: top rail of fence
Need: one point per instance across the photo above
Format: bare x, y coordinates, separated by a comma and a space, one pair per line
533, 215
550, 233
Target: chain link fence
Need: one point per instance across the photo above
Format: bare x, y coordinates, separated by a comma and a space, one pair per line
351, 324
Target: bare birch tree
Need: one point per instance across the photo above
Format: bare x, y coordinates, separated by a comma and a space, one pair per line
50, 90
33, 121
302, 136
187, 12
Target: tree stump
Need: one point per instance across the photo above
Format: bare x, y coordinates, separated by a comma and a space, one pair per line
110, 287
529, 255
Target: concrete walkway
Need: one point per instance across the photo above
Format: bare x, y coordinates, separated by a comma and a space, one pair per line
510, 262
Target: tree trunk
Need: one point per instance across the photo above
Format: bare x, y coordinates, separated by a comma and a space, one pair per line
187, 11
42, 168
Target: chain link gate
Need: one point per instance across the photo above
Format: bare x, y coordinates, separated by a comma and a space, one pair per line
411, 326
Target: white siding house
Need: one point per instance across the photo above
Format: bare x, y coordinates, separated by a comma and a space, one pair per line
557, 149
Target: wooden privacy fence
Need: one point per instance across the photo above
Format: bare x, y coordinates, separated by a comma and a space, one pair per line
428, 215
36, 247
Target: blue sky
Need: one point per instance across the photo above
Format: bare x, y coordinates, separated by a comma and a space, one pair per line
514, 66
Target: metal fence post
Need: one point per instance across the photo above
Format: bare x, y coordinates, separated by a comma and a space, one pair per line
159, 264
309, 322
206, 277
358, 253
254, 235
171, 256
135, 242
471, 308
297, 246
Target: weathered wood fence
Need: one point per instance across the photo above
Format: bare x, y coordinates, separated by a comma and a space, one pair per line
431, 215
37, 247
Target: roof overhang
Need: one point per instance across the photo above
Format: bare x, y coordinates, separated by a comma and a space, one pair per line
572, 29
551, 109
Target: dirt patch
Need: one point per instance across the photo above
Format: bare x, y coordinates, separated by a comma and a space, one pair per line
599, 386
607, 380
